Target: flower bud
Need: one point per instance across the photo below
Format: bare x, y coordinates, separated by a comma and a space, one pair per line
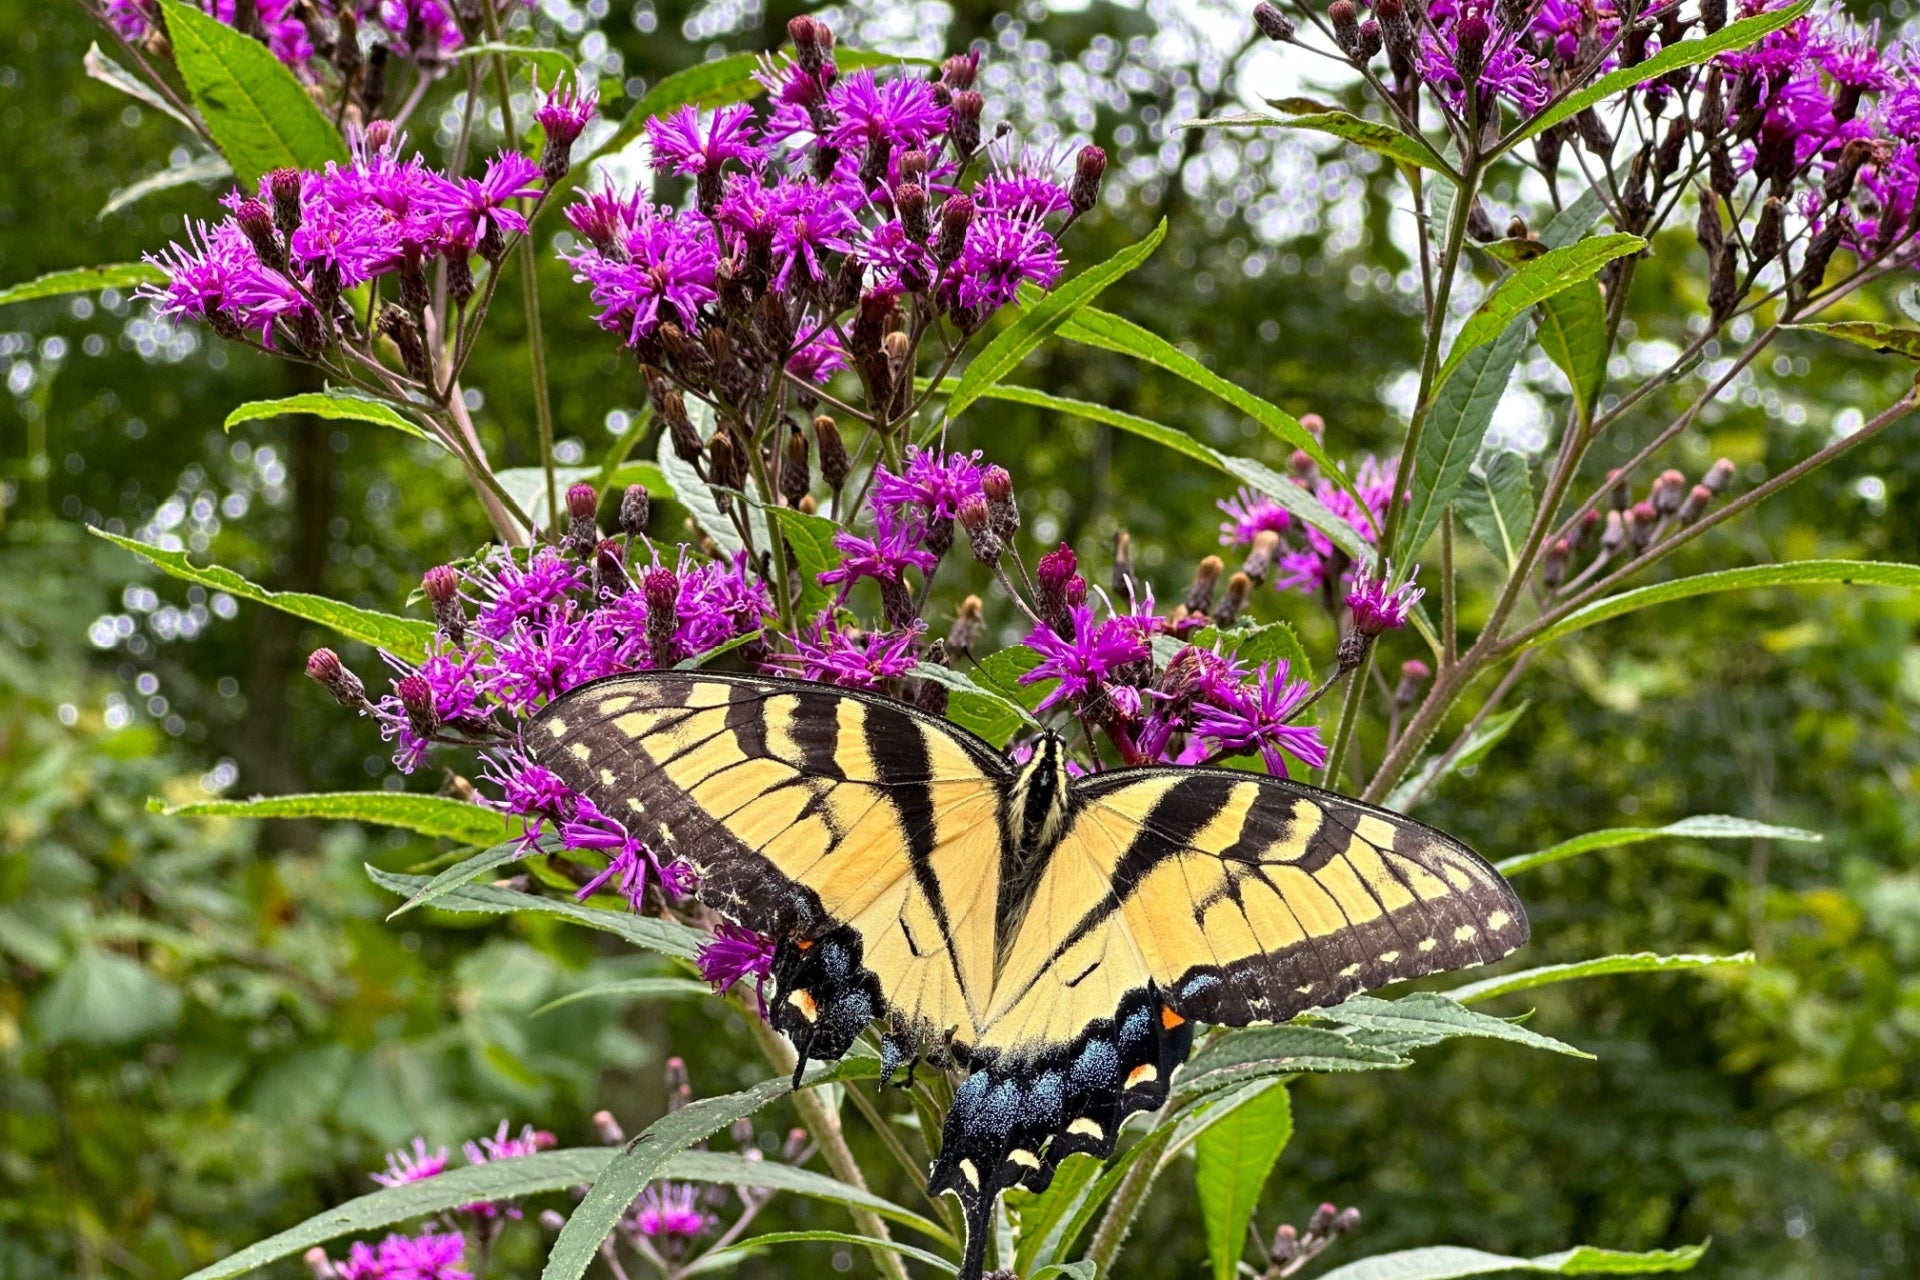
1470, 47
609, 575
1206, 577
977, 520
794, 478
1697, 501
1668, 492
963, 123
442, 586
1479, 225
1346, 26
1593, 134
1056, 576
959, 71
1005, 512
1272, 24
636, 504
1370, 41
677, 1081
256, 223
319, 1264
1718, 476
1322, 1220
968, 624
416, 698
910, 202
835, 465
812, 43
1260, 557
1620, 494
1614, 536
582, 502
660, 587
1414, 675
1084, 192
1124, 582
1553, 566
399, 327
1348, 1219
1286, 1245
324, 665
608, 1129
1640, 521
1234, 602
283, 185
956, 215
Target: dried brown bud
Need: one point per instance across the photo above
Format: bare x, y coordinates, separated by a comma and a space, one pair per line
1124, 583
1839, 183
1084, 192
722, 460
835, 465
1272, 24
1769, 232
968, 624
1813, 267
1706, 228
1479, 225
635, 506
1261, 556
1593, 133
399, 327
1666, 161
1713, 15
1723, 291
794, 480
1206, 577
1234, 602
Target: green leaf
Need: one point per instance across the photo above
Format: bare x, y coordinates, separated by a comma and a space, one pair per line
1446, 1262
1638, 962
1038, 322
259, 115
100, 67
1108, 332
1688, 53
1257, 475
628, 989
811, 539
754, 1245
1232, 1161
961, 684
1887, 339
729, 1169
553, 65
463, 872
1864, 573
1257, 1053
691, 492
668, 937
1705, 826
1573, 333
1256, 645
645, 1157
997, 705
1482, 741
1496, 503
402, 637
495, 1180
209, 166
428, 815
706, 656
1375, 136
1426, 1018
621, 449
1455, 428
1532, 283
121, 275
331, 405
103, 997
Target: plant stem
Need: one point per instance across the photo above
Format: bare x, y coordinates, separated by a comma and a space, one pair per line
1117, 1221
1349, 716
824, 1125
1449, 607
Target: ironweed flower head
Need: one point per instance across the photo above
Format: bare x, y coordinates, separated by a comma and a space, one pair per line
404, 1166
735, 954
669, 1215
1377, 607
1086, 659
428, 1256
1255, 718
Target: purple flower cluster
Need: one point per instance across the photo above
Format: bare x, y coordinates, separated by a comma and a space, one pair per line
841, 193
278, 265
1297, 555
428, 1256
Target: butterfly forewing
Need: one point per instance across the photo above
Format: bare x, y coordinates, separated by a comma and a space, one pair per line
805, 810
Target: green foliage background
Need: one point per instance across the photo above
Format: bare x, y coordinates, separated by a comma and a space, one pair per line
208, 1031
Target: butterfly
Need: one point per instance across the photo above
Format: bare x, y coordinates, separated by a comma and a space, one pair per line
1059, 936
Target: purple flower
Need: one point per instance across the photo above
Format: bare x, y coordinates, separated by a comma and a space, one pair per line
670, 265
809, 221
1506, 69
885, 557
902, 111
427, 1256
668, 1214
501, 1146
901, 259
719, 601
1021, 188
1085, 664
541, 660
510, 595
405, 1166
1250, 514
680, 144
279, 21
819, 359
564, 113
480, 205
1256, 719
735, 954
217, 277
1376, 608
938, 485
1316, 567
422, 29
1001, 253
853, 661
629, 861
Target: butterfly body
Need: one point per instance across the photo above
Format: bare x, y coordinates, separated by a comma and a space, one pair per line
1058, 936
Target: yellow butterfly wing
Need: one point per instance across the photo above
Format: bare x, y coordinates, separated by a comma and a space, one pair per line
860, 834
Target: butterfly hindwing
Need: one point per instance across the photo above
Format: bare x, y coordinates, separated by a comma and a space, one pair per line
861, 835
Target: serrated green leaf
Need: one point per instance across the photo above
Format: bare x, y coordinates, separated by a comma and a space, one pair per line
1687, 53
121, 275
331, 405
998, 705
1573, 332
1545, 975
441, 816
463, 872
259, 115
1482, 741
1709, 826
629, 989
1456, 427
668, 937
402, 637
1035, 325
811, 539
1448, 1262
495, 1180
1426, 1018
1864, 573
961, 683
1232, 1161
1496, 504
1530, 284
1257, 1053
1375, 136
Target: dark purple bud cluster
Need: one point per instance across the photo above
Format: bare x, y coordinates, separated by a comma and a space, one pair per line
1579, 553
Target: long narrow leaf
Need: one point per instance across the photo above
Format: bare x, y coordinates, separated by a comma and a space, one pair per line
668, 937
1004, 354
463, 872
752, 1246
1373, 135
403, 637
428, 815
1545, 975
1864, 573
1706, 826
1455, 427
321, 404
1532, 283
120, 275
1449, 1262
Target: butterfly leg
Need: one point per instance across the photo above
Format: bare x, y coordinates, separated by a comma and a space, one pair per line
897, 1050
